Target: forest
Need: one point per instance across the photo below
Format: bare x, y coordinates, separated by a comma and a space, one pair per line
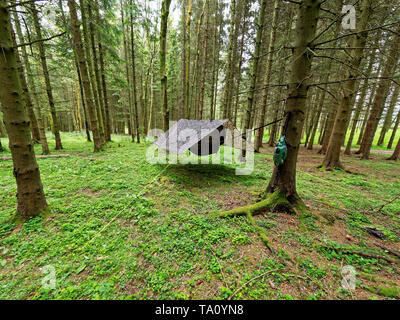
312, 90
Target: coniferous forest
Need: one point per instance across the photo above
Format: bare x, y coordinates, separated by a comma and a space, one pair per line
309, 89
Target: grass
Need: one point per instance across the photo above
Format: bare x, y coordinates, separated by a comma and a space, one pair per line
121, 228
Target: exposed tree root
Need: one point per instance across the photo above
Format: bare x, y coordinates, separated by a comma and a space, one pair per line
274, 202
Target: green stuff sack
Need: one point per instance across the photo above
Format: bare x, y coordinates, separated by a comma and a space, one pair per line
280, 152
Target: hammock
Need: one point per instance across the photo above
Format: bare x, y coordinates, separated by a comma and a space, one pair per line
201, 137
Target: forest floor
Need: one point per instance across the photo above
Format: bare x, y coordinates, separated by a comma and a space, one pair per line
121, 228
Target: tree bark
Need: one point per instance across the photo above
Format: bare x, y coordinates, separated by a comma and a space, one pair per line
359, 106
134, 87
227, 100
380, 97
284, 177
85, 76
24, 76
389, 114
163, 56
46, 75
332, 156
396, 126
396, 153
30, 196
256, 60
268, 74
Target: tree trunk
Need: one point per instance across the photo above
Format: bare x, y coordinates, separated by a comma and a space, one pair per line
396, 153
332, 156
204, 60
94, 33
359, 106
85, 76
187, 68
46, 75
134, 87
268, 74
227, 100
163, 56
396, 125
25, 88
30, 196
284, 177
380, 97
389, 114
256, 60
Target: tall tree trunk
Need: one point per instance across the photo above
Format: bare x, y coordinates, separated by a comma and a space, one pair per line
98, 143
107, 121
396, 126
163, 56
129, 108
359, 105
284, 176
183, 59
366, 115
91, 57
134, 87
187, 69
49, 89
94, 33
380, 97
268, 74
256, 60
389, 114
216, 49
332, 156
25, 87
30, 196
227, 100
204, 60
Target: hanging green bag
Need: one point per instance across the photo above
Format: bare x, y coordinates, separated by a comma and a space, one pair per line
280, 152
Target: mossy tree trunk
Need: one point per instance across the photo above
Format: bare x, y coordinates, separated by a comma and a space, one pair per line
30, 195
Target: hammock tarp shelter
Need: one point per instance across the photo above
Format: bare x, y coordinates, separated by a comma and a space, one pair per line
201, 137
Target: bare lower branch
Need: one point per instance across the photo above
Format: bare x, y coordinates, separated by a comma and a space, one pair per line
39, 40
